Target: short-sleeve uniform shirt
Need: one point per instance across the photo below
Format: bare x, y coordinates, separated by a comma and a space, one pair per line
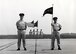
56, 26
21, 25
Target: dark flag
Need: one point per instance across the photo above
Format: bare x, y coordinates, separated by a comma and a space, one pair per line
36, 24
48, 11
32, 22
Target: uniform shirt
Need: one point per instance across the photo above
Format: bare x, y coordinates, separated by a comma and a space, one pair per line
56, 26
21, 26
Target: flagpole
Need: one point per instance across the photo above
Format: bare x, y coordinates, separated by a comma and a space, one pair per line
35, 46
52, 14
36, 43
52, 20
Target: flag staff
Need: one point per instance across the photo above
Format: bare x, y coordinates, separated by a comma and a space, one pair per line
51, 21
49, 11
52, 14
35, 46
36, 37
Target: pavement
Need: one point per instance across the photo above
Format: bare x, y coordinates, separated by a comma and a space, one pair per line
9, 46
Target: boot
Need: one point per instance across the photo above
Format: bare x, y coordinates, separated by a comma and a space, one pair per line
52, 48
59, 47
25, 49
18, 49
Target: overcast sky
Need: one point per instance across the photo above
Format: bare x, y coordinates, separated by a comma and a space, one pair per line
65, 10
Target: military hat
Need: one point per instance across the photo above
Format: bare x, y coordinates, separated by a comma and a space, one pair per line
21, 14
55, 18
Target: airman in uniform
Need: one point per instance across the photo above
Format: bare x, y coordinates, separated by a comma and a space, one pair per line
55, 33
21, 27
30, 32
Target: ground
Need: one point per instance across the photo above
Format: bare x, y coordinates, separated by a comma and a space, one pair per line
9, 46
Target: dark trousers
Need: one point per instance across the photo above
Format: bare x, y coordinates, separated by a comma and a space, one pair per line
57, 36
21, 36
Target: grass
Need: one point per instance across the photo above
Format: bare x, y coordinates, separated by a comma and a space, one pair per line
47, 36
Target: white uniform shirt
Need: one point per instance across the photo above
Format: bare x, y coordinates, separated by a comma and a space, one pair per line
21, 25
56, 26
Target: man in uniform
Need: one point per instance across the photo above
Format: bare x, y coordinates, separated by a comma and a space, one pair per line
30, 32
37, 33
55, 34
21, 27
33, 33
41, 32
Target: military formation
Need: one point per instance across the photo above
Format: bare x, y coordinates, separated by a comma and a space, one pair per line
36, 32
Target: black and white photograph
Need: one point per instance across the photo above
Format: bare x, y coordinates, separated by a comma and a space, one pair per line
37, 27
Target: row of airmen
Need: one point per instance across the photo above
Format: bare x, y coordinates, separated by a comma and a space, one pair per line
35, 32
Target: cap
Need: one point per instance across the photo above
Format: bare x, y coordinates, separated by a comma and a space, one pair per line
21, 14
55, 18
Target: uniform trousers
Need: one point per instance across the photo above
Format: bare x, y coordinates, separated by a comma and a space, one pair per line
21, 35
55, 34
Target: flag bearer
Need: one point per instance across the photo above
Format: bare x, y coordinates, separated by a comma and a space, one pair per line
55, 34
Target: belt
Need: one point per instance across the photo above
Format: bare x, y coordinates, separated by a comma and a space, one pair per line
21, 29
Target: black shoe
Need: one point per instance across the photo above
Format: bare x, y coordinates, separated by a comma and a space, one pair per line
18, 49
25, 49
52, 48
59, 48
